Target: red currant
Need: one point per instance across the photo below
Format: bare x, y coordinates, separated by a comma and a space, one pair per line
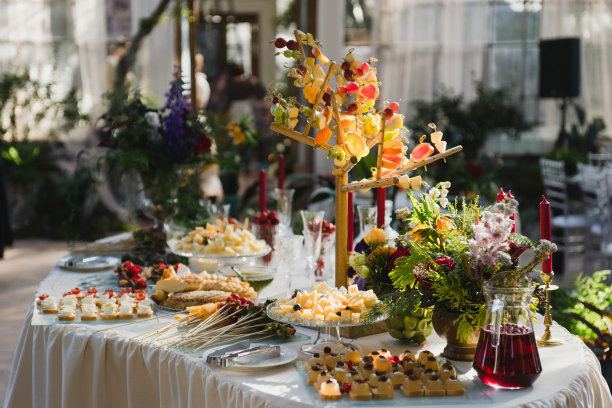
280, 42
388, 113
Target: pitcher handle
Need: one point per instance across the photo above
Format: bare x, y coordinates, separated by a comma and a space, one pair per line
497, 308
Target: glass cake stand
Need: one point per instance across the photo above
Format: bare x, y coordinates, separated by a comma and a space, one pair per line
224, 261
328, 331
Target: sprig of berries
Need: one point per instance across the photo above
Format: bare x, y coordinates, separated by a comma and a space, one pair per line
130, 275
266, 218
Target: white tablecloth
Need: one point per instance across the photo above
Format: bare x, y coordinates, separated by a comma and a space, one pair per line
73, 366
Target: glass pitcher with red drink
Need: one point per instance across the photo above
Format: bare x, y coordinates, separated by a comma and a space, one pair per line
507, 354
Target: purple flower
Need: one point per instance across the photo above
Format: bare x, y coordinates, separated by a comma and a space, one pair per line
360, 282
363, 248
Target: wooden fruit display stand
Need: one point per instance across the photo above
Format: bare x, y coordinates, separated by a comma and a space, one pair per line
390, 169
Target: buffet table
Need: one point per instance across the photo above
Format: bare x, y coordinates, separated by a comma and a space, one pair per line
91, 365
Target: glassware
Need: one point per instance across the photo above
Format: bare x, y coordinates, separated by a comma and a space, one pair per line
367, 221
284, 206
506, 354
289, 248
268, 233
313, 222
325, 263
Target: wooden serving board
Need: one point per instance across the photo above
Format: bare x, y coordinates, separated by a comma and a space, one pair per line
359, 331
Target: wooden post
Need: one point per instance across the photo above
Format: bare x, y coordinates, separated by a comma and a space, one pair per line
341, 231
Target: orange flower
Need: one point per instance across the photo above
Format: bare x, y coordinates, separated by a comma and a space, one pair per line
416, 232
375, 236
444, 224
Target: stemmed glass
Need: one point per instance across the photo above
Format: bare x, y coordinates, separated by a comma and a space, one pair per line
313, 222
284, 206
289, 248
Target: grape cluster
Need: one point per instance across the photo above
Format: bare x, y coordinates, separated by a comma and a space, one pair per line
292, 46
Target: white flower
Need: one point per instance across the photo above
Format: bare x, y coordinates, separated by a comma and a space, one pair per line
433, 193
443, 202
152, 119
363, 271
445, 184
443, 192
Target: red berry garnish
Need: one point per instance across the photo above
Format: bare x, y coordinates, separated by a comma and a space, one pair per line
394, 106
348, 75
280, 42
327, 98
359, 72
292, 45
364, 67
345, 65
388, 113
352, 87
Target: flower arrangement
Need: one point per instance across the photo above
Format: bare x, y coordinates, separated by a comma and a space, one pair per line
451, 255
232, 140
149, 140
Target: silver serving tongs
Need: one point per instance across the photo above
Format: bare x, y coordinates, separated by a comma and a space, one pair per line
242, 353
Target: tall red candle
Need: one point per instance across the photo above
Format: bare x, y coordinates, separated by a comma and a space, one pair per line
281, 171
380, 207
262, 190
513, 216
349, 235
501, 196
545, 231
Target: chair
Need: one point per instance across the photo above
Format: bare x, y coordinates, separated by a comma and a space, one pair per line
599, 159
596, 200
568, 229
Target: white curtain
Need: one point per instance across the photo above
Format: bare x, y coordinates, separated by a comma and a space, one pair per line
89, 19
591, 20
424, 44
155, 64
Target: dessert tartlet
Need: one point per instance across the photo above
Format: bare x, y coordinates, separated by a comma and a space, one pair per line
384, 389
67, 312
315, 359
434, 387
366, 370
373, 378
340, 372
330, 390
454, 387
49, 305
126, 310
407, 355
323, 376
423, 356
382, 363
412, 386
352, 355
397, 378
313, 374
431, 362
360, 390
351, 376
89, 311
108, 311
144, 310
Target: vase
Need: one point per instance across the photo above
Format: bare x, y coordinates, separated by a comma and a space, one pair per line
446, 326
160, 195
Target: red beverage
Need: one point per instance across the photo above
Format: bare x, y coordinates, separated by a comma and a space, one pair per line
514, 363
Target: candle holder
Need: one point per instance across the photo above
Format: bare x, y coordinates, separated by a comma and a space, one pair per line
547, 340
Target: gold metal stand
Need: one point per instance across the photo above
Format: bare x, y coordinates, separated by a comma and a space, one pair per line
547, 340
